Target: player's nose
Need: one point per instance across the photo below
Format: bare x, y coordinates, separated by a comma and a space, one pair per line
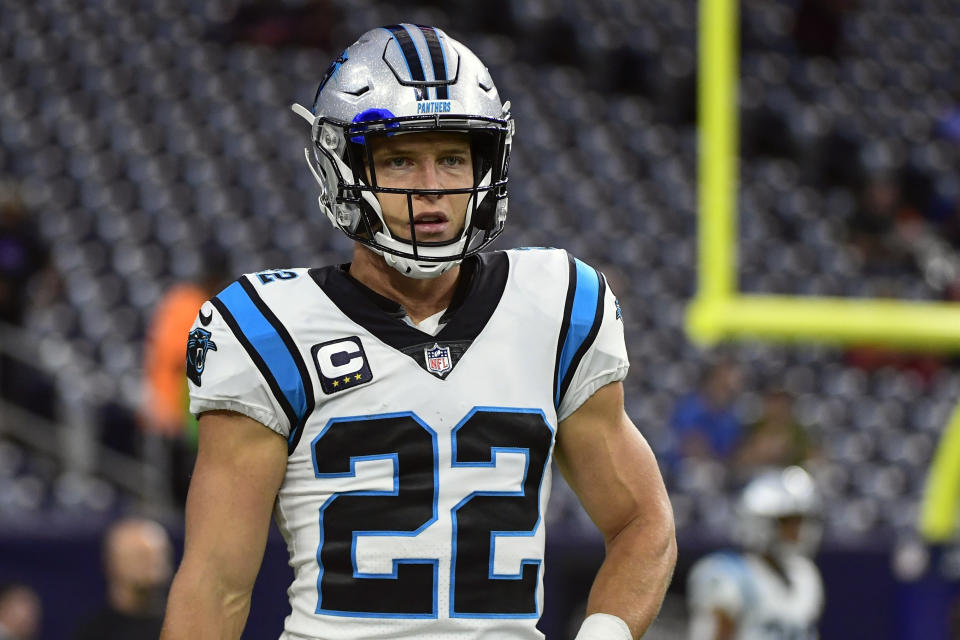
429, 178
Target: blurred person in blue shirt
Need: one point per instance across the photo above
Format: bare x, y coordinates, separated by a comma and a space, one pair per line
704, 423
23, 255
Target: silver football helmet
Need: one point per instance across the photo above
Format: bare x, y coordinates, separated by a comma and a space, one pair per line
772, 496
402, 79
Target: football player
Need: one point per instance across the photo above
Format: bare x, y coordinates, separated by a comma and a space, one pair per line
398, 414
771, 589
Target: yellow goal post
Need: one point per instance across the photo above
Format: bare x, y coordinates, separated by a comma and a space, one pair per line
718, 311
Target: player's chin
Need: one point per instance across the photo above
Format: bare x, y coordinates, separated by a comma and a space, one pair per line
435, 234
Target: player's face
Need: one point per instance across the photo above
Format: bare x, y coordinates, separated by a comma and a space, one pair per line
790, 528
428, 160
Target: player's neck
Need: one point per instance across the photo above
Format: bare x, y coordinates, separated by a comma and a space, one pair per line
420, 298
778, 566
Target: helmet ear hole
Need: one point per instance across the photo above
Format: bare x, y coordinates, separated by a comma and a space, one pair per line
486, 216
483, 148
371, 223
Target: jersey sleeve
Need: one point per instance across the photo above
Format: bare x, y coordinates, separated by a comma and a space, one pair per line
593, 351
223, 375
716, 582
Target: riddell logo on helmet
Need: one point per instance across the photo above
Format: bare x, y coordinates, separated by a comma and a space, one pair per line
440, 106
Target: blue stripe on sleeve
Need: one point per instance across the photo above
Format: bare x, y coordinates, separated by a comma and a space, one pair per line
582, 317
265, 339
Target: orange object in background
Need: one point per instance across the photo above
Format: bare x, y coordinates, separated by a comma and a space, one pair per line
165, 402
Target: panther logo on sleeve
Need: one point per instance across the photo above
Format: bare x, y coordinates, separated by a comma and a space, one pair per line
198, 343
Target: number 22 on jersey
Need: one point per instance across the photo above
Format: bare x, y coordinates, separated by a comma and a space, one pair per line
362, 513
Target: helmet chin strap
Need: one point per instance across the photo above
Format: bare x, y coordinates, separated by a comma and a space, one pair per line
417, 270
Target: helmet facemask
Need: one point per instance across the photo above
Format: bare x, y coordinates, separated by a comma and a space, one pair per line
342, 162
399, 80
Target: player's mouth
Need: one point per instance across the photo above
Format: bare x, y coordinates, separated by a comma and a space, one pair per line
430, 224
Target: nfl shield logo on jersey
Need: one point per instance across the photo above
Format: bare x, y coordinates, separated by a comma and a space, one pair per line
438, 359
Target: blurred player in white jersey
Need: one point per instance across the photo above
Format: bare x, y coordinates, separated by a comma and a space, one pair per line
771, 590
398, 414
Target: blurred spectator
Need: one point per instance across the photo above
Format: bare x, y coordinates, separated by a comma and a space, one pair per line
166, 412
835, 160
20, 612
818, 27
22, 255
948, 126
278, 24
925, 365
877, 227
138, 564
704, 423
776, 439
893, 235
23, 258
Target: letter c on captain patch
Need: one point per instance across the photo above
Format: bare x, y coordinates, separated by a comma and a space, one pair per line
342, 364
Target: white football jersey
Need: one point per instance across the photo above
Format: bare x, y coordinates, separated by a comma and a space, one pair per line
765, 604
419, 464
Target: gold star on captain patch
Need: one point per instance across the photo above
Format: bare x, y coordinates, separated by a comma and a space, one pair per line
346, 379
336, 383
357, 377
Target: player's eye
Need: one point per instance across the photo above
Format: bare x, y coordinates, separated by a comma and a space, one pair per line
453, 160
